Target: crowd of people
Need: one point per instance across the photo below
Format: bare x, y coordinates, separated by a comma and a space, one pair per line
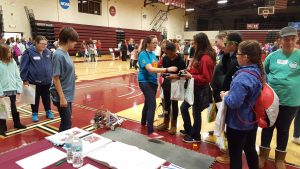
219, 71
50, 73
90, 49
222, 75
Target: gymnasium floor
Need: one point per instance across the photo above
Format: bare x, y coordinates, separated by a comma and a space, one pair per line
113, 85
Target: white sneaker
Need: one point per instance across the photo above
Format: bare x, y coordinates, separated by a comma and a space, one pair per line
296, 140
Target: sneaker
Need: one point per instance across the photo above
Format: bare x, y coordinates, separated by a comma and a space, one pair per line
182, 132
35, 117
296, 140
188, 139
154, 136
49, 114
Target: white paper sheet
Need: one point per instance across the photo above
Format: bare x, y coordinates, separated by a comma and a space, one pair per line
60, 138
112, 155
93, 142
88, 166
42, 159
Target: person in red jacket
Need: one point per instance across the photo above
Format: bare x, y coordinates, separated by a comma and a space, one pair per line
201, 70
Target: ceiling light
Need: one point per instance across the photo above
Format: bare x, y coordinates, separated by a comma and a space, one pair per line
222, 1
189, 9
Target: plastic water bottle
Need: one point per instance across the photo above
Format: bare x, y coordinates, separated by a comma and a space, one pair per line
77, 152
68, 145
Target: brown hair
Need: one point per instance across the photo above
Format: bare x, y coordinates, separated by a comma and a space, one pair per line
39, 38
4, 51
252, 49
67, 34
221, 35
203, 47
147, 40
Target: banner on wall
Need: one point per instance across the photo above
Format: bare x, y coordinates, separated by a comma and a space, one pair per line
253, 26
65, 4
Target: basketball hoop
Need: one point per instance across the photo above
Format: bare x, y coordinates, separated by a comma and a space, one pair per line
265, 13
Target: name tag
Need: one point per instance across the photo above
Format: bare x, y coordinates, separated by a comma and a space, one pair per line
37, 58
282, 62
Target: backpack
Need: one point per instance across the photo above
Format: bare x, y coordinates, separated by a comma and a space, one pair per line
16, 50
266, 107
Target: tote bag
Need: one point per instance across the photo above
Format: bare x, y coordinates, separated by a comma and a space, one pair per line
28, 95
177, 90
4, 108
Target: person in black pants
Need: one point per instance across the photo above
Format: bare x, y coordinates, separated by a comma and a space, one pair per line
124, 50
282, 68
36, 69
201, 69
171, 59
240, 117
10, 85
63, 85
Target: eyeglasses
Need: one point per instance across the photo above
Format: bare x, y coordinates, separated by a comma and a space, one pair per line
230, 43
44, 44
240, 54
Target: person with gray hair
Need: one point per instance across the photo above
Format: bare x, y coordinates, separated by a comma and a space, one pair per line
283, 74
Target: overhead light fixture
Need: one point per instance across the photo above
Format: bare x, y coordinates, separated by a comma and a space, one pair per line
222, 1
189, 9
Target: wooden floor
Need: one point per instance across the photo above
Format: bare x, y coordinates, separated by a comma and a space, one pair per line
112, 84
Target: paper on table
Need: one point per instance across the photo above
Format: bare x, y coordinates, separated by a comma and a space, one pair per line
42, 159
93, 142
60, 138
112, 155
88, 166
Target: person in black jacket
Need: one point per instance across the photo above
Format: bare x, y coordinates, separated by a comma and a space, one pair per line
229, 61
124, 50
223, 74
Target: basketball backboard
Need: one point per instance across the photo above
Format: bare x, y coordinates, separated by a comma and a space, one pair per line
266, 11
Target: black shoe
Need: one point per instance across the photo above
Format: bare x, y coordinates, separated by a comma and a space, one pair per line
2, 132
182, 132
19, 126
188, 139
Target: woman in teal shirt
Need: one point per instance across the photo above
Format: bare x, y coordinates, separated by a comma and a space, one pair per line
10, 86
147, 78
283, 72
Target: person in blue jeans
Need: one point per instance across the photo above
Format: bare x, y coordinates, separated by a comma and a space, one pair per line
201, 69
63, 75
147, 78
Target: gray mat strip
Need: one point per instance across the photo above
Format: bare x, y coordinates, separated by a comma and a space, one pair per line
177, 155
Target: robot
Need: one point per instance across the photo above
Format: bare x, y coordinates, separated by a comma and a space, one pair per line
104, 118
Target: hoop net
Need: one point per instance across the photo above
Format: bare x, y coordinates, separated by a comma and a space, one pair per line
265, 16
265, 13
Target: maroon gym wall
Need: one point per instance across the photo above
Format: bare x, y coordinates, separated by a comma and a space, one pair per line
107, 35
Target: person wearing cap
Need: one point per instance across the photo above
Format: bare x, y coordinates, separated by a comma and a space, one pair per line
283, 74
225, 70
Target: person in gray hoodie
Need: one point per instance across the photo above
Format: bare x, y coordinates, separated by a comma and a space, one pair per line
36, 69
